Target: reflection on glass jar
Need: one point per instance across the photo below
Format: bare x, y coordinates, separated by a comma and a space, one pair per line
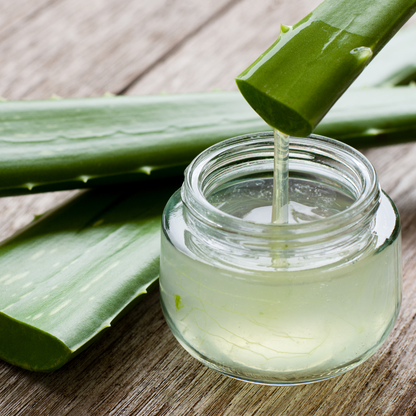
281, 304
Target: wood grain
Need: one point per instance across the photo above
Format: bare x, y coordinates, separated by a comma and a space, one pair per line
13, 15
138, 368
83, 48
222, 50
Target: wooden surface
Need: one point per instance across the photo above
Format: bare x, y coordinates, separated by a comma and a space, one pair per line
76, 48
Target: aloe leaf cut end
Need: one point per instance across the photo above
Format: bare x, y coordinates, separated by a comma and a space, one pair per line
268, 107
30, 348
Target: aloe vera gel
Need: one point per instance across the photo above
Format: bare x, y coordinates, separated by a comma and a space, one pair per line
280, 303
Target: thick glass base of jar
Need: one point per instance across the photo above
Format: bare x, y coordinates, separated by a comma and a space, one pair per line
267, 377
297, 320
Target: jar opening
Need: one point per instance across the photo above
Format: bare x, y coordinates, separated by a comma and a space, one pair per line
247, 161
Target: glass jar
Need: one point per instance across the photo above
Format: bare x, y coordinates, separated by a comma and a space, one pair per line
280, 303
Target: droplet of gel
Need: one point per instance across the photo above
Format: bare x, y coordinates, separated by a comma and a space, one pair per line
363, 53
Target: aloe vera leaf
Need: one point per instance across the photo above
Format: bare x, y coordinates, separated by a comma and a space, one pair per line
300, 77
394, 65
66, 144
70, 274
372, 117
74, 143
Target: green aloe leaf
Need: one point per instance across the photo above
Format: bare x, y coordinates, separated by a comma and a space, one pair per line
67, 277
75, 143
299, 78
67, 144
372, 117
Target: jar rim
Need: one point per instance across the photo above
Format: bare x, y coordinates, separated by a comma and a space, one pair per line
361, 210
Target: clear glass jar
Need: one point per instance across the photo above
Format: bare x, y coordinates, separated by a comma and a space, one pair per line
280, 304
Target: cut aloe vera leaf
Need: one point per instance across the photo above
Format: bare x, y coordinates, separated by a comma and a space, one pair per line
300, 77
394, 65
67, 277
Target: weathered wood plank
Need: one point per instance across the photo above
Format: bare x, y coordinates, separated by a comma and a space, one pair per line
213, 58
17, 212
14, 15
84, 48
138, 368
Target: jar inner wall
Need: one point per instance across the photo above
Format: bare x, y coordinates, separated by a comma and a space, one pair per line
280, 304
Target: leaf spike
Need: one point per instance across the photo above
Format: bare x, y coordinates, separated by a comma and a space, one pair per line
146, 169
84, 178
29, 185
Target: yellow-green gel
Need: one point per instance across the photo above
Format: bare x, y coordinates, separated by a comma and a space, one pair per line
299, 78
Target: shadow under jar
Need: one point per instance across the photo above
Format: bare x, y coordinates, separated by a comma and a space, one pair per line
280, 303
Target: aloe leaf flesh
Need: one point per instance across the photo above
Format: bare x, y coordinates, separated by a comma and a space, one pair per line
300, 77
68, 276
394, 65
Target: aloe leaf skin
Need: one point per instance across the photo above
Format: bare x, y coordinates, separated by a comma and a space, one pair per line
394, 65
69, 275
300, 77
372, 117
75, 143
